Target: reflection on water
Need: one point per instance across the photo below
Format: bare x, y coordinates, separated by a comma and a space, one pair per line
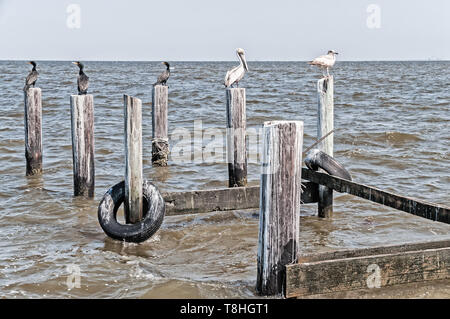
392, 132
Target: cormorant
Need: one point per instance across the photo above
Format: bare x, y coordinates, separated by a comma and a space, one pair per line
237, 73
163, 77
31, 78
83, 80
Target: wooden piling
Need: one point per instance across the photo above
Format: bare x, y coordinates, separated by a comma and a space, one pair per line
82, 116
325, 125
133, 203
33, 131
280, 197
160, 141
236, 141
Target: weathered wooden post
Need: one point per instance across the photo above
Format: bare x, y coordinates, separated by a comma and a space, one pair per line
133, 204
236, 141
280, 196
33, 131
325, 125
82, 116
160, 127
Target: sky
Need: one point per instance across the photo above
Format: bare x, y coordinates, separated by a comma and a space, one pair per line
211, 30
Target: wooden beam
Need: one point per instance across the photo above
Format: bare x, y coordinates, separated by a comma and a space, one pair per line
160, 125
234, 198
279, 219
410, 205
325, 124
82, 116
236, 143
133, 204
361, 270
33, 131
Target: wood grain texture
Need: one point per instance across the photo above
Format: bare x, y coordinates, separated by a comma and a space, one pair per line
223, 199
410, 205
325, 124
279, 220
236, 140
33, 131
133, 204
369, 271
82, 117
160, 125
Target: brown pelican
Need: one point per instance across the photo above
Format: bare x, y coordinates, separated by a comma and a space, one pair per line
163, 77
32, 77
83, 79
237, 73
325, 61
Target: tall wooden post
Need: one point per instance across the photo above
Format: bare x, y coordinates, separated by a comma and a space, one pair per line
280, 196
82, 115
325, 124
33, 131
133, 159
160, 141
236, 141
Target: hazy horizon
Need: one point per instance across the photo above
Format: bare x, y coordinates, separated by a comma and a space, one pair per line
205, 30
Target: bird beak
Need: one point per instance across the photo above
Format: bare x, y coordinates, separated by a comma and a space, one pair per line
75, 63
336, 53
29, 62
244, 61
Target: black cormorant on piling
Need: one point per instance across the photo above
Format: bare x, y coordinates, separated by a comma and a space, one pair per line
163, 77
83, 80
32, 77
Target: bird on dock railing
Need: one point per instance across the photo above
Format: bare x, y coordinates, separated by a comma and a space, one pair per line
163, 77
32, 77
325, 61
237, 73
83, 79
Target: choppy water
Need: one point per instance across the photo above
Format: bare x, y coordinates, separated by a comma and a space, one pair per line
393, 132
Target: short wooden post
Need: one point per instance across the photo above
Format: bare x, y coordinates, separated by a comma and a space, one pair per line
33, 131
160, 127
82, 115
133, 159
280, 196
236, 141
325, 124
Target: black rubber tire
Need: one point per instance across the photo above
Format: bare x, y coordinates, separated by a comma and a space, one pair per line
153, 214
317, 159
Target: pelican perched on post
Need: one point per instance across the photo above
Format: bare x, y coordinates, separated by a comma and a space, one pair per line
325, 61
237, 73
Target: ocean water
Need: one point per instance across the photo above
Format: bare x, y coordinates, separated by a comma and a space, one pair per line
392, 123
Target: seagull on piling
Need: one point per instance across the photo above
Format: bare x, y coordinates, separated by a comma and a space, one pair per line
325, 61
237, 73
32, 77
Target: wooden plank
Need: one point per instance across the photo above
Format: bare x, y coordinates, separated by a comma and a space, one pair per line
236, 140
325, 124
279, 220
370, 251
82, 119
160, 125
375, 271
133, 159
409, 205
204, 201
33, 131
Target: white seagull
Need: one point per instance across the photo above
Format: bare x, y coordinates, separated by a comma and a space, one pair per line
325, 61
237, 73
